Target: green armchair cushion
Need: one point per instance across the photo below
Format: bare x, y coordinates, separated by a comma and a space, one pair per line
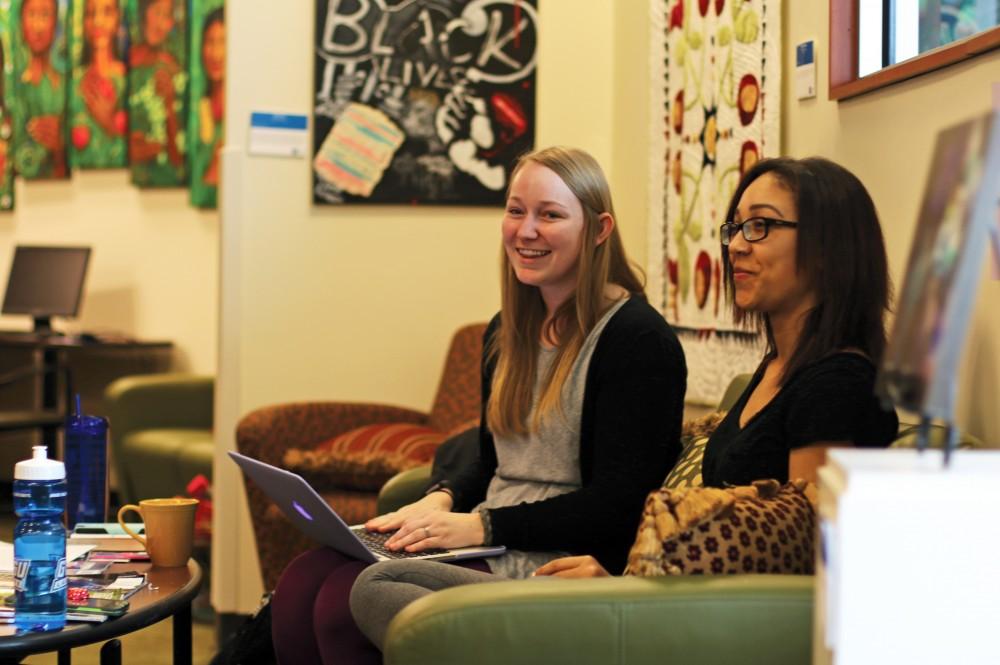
160, 462
154, 419
709, 620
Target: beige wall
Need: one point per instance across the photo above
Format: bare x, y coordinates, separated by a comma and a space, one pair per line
886, 138
154, 267
358, 302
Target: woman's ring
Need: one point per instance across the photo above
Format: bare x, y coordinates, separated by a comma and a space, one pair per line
427, 532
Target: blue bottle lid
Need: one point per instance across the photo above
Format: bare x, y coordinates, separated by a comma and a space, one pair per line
39, 467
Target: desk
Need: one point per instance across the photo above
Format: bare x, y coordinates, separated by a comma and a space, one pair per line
50, 359
168, 594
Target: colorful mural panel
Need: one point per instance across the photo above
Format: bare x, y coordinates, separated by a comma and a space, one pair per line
39, 38
158, 80
6, 122
207, 112
98, 119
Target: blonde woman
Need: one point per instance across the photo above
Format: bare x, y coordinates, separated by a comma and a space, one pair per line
583, 388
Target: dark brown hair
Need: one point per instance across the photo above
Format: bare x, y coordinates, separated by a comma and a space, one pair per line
839, 251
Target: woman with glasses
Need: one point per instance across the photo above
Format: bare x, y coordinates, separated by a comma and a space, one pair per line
807, 266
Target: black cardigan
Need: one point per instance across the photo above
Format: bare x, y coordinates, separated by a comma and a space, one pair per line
629, 439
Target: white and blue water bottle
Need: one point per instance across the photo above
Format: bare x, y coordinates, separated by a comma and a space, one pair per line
39, 543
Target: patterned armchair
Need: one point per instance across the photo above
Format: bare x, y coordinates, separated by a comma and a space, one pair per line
353, 448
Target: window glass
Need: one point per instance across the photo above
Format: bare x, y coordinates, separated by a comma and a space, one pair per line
913, 27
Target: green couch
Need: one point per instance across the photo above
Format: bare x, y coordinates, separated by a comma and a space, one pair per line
724, 620
161, 433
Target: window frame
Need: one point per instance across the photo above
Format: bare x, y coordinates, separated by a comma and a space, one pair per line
844, 82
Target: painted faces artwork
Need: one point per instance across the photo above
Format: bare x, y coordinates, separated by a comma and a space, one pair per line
157, 91
543, 232
98, 120
6, 126
208, 71
40, 87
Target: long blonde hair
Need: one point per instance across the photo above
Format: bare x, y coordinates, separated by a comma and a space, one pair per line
515, 347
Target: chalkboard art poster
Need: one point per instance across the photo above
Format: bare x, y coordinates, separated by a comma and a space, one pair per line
426, 101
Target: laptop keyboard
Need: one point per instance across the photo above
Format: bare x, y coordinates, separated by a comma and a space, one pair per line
376, 543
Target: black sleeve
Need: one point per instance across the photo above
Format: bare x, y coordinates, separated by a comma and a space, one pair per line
469, 484
630, 437
834, 400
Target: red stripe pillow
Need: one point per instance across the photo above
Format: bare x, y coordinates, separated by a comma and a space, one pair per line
366, 457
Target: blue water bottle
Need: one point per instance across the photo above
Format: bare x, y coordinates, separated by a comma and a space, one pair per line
86, 456
39, 543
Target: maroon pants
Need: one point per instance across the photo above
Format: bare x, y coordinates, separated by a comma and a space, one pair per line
311, 618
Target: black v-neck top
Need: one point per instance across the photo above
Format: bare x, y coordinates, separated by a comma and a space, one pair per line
832, 399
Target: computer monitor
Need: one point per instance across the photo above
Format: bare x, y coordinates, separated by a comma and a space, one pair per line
960, 208
46, 282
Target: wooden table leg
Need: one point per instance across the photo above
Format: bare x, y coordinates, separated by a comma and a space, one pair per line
111, 653
182, 636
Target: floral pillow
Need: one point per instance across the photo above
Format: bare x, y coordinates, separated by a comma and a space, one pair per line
762, 528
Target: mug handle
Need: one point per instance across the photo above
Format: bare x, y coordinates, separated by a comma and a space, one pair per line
121, 520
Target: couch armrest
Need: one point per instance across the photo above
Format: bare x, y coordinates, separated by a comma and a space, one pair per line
709, 620
403, 488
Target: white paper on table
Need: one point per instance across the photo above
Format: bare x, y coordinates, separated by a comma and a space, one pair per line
7, 554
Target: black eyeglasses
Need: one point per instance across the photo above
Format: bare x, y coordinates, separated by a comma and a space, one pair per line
754, 229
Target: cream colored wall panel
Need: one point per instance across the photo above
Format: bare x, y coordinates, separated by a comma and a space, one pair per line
154, 267
887, 138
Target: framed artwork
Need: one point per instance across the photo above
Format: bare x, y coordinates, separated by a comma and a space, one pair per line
38, 28
157, 78
98, 119
207, 112
427, 101
6, 125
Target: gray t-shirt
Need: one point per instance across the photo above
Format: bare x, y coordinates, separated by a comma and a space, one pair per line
545, 463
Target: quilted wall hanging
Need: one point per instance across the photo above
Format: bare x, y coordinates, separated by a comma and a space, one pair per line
716, 96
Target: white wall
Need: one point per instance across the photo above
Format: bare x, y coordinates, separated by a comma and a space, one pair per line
357, 302
154, 267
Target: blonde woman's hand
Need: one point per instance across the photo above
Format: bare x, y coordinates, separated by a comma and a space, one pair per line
573, 566
435, 501
437, 529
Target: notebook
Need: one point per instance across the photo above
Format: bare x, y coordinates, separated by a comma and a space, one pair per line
307, 510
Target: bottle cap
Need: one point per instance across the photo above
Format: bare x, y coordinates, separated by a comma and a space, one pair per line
39, 467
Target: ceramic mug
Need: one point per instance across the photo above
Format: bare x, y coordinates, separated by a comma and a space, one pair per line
169, 527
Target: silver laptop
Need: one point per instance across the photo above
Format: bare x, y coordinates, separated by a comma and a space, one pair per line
314, 517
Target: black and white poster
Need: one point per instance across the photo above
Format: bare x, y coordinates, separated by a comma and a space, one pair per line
422, 101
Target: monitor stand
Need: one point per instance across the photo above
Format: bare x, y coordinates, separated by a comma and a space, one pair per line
43, 325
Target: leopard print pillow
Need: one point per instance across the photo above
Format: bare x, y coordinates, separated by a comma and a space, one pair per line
762, 528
